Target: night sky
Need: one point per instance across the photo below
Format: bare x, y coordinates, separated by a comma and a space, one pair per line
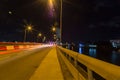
83, 20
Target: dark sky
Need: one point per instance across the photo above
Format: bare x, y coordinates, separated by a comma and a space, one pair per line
83, 20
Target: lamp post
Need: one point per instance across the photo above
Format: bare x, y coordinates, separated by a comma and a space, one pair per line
29, 27
44, 38
51, 7
61, 20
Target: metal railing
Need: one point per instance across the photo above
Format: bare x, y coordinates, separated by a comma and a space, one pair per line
91, 65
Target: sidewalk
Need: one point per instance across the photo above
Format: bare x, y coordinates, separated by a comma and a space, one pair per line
49, 69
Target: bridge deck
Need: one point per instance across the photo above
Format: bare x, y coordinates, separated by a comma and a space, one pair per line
49, 69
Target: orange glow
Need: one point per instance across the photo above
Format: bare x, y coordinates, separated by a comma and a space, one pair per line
40, 34
51, 4
8, 52
54, 29
29, 27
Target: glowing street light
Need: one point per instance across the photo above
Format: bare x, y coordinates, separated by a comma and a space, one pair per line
53, 29
29, 28
55, 37
39, 35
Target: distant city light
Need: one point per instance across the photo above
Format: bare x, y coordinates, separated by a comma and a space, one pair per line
53, 29
10, 12
80, 48
40, 34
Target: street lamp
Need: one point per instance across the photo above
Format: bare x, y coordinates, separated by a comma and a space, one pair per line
51, 7
61, 20
29, 28
39, 35
53, 29
55, 36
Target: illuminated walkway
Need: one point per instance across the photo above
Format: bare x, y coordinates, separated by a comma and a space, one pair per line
49, 69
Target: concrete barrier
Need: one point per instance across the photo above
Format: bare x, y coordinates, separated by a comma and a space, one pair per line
3, 48
14, 47
10, 47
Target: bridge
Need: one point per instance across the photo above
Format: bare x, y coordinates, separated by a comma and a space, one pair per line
52, 62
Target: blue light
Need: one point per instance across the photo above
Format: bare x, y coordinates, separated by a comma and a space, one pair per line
81, 45
80, 50
92, 52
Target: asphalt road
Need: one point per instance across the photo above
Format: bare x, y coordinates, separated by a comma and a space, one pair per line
21, 65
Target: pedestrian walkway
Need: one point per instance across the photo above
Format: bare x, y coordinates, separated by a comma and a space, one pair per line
49, 69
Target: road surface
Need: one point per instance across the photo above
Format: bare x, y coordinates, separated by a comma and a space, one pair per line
21, 65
